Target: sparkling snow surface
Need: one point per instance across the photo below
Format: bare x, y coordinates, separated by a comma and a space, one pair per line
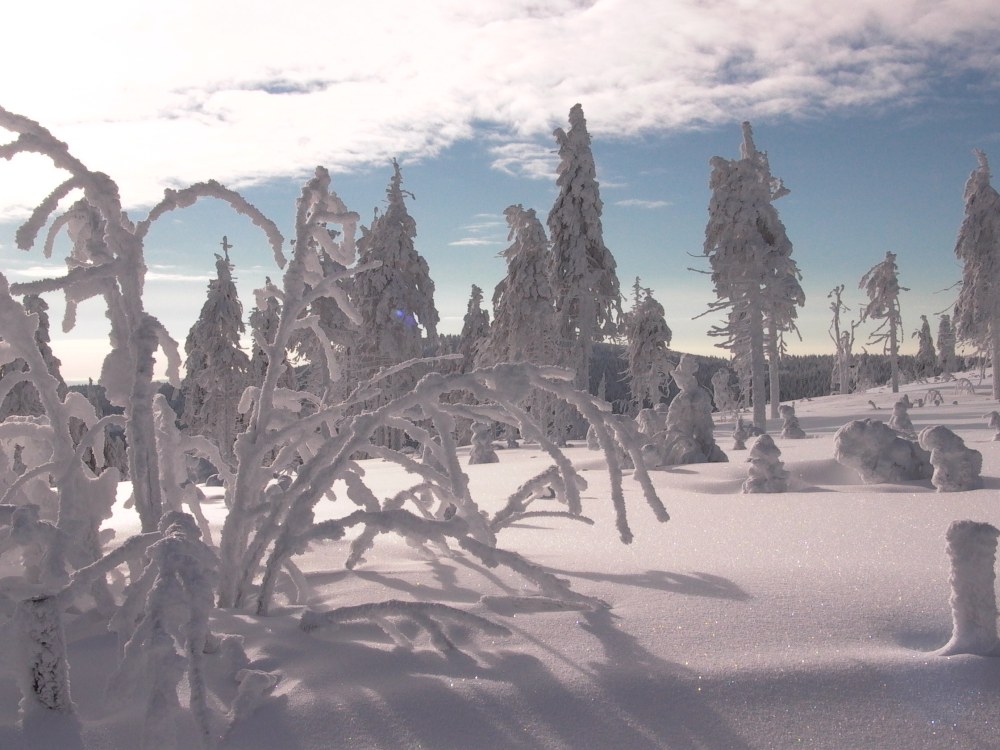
802, 619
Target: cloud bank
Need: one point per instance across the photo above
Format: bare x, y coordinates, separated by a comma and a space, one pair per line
165, 95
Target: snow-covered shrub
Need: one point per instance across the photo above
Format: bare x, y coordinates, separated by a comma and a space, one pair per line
956, 467
993, 422
900, 420
972, 547
482, 445
790, 427
740, 435
689, 435
879, 454
767, 472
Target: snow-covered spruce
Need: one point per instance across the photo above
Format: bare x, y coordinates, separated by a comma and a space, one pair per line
977, 310
881, 283
879, 454
583, 270
972, 548
767, 472
648, 338
754, 276
926, 358
790, 427
689, 435
956, 467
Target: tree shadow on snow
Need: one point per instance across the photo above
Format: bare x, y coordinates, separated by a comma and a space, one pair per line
689, 584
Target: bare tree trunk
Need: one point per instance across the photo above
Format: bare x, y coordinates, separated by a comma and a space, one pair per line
994, 354
757, 365
773, 364
894, 356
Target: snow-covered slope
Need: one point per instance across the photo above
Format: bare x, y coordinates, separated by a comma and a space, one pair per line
802, 619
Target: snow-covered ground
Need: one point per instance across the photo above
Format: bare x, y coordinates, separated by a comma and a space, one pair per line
803, 619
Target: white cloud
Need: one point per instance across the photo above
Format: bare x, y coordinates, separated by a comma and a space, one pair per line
248, 91
474, 242
639, 203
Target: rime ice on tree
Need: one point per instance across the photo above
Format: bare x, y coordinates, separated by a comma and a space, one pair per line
790, 427
972, 548
587, 291
740, 435
689, 435
879, 454
926, 356
993, 422
753, 273
648, 338
881, 282
956, 467
767, 472
977, 311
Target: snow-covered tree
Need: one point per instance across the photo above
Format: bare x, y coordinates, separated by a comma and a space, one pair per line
523, 301
216, 369
648, 338
946, 346
977, 311
926, 356
752, 270
264, 319
843, 340
475, 330
22, 398
587, 293
881, 283
396, 298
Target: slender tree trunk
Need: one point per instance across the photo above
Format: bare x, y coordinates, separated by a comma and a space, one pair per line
894, 356
757, 364
995, 358
773, 364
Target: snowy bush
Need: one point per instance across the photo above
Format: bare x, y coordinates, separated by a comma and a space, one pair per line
879, 454
790, 427
956, 467
767, 472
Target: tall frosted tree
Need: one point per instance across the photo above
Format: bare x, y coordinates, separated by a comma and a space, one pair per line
843, 340
977, 311
216, 368
475, 330
648, 338
926, 356
754, 276
523, 301
587, 292
881, 284
946, 346
395, 300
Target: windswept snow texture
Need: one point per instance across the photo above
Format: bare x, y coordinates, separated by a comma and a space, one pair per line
808, 618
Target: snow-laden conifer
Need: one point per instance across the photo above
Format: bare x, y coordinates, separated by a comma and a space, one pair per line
754, 276
584, 279
523, 301
648, 337
926, 356
946, 346
395, 294
881, 284
977, 311
216, 369
475, 330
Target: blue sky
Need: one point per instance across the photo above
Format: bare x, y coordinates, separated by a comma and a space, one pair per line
869, 114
